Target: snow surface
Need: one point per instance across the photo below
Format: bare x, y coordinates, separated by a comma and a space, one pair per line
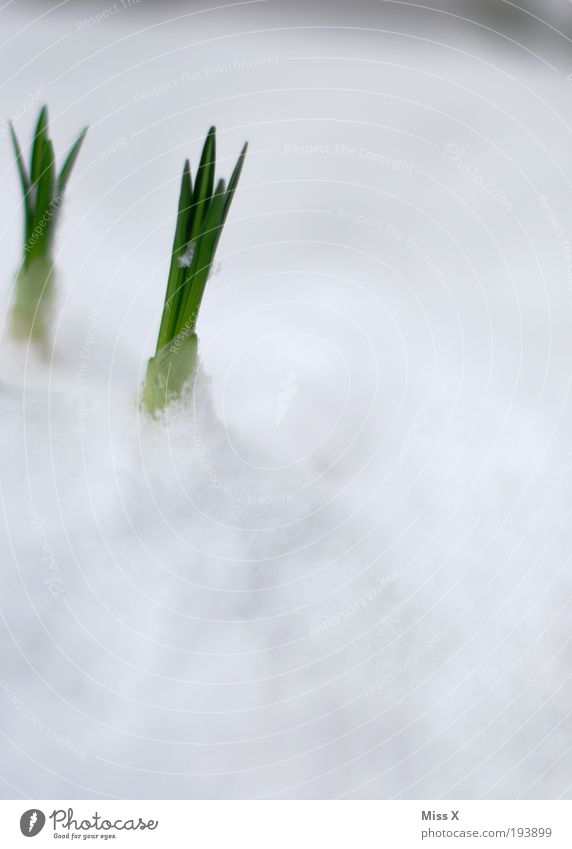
341, 567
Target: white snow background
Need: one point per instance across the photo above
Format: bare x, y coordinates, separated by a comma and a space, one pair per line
341, 567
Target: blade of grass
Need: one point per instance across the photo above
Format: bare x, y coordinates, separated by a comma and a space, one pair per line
202, 261
177, 273
233, 182
69, 163
44, 194
25, 184
40, 136
205, 182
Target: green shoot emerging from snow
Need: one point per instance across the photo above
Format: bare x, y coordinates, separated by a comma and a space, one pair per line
200, 218
43, 191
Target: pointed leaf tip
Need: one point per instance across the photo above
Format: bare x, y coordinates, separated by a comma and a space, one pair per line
40, 138
24, 181
69, 163
42, 121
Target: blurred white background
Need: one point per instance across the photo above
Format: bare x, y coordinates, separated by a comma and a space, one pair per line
343, 568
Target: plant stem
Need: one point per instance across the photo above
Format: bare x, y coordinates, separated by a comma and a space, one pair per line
169, 371
33, 300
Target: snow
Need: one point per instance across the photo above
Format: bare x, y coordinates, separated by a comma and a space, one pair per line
340, 566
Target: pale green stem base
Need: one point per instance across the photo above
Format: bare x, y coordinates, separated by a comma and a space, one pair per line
168, 372
33, 299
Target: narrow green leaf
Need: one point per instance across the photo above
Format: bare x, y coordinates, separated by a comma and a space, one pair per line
24, 182
205, 182
69, 163
233, 182
200, 269
43, 212
40, 137
177, 272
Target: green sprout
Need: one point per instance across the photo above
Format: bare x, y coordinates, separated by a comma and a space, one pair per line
201, 216
44, 191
